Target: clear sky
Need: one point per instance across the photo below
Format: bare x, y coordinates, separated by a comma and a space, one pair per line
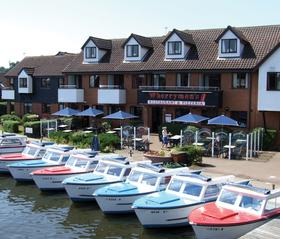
44, 27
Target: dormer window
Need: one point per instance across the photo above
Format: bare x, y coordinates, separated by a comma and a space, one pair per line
23, 82
174, 47
90, 52
132, 50
229, 46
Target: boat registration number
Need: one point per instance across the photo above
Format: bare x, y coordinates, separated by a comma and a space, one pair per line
215, 228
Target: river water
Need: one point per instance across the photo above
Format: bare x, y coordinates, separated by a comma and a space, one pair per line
25, 213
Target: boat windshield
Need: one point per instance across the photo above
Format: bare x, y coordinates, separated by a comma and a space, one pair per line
55, 157
47, 155
71, 161
228, 197
251, 203
81, 163
175, 185
134, 176
101, 167
192, 189
114, 170
149, 179
30, 151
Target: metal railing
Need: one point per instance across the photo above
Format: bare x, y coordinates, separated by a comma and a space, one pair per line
69, 87
111, 87
180, 88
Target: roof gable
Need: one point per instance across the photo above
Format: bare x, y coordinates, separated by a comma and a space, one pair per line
185, 37
237, 32
99, 42
143, 41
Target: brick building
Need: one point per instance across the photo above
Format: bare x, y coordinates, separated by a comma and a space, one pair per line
208, 72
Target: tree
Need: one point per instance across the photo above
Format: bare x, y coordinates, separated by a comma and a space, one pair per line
11, 65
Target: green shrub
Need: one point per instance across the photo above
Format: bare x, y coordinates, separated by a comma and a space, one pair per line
81, 139
193, 152
108, 142
35, 125
269, 137
6, 117
11, 126
60, 137
30, 118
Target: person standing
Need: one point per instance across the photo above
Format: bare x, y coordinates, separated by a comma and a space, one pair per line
164, 137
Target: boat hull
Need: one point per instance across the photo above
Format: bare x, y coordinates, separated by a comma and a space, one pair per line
164, 217
117, 204
4, 164
24, 173
82, 192
225, 232
51, 182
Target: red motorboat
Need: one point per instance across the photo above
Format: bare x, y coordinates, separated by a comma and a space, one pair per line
238, 210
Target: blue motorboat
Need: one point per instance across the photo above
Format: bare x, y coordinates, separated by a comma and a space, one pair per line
184, 193
110, 169
143, 179
54, 156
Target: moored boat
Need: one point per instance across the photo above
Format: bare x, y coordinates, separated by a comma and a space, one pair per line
32, 151
12, 143
51, 178
184, 193
111, 169
143, 179
238, 210
54, 156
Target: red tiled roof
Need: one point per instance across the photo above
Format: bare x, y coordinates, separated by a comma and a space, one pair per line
42, 65
202, 56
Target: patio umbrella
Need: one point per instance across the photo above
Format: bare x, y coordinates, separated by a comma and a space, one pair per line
223, 121
66, 112
120, 115
91, 112
190, 118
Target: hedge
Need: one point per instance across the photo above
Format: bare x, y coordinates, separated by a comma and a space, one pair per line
30, 118
60, 137
269, 137
194, 153
108, 142
6, 117
11, 126
35, 125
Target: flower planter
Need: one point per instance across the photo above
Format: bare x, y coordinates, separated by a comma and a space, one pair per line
181, 157
157, 158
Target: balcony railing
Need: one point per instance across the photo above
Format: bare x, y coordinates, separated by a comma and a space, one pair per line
180, 88
69, 87
111, 87
111, 96
8, 93
70, 95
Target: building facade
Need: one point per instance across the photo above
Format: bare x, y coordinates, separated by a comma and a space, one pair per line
208, 72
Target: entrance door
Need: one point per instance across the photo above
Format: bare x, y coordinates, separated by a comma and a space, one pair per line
156, 118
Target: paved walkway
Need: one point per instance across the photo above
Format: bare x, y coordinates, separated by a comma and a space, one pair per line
264, 173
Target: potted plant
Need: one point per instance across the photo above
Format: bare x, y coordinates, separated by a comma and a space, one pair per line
188, 154
158, 156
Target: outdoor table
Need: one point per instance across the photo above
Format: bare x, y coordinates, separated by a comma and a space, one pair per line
241, 140
229, 146
67, 130
175, 137
198, 144
87, 131
111, 132
49, 129
138, 139
117, 129
62, 126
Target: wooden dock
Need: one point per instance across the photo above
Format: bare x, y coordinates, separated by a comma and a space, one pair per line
270, 230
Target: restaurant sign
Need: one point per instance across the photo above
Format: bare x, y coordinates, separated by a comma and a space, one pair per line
183, 98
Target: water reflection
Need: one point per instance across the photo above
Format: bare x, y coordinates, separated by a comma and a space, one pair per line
26, 212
